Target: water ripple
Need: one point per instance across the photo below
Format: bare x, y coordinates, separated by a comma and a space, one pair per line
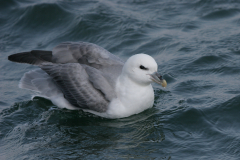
196, 44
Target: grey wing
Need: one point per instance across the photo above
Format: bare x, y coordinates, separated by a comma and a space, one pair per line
78, 86
91, 55
76, 52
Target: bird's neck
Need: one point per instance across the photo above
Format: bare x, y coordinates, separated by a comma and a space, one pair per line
124, 80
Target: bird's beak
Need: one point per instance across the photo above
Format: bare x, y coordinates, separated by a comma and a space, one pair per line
157, 78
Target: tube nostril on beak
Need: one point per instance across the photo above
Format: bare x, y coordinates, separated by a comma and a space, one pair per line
160, 77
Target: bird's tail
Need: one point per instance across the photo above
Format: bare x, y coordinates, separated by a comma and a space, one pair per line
40, 82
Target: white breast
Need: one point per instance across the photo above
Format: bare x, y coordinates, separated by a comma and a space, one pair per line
132, 99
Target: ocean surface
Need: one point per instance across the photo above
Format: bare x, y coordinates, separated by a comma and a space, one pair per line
196, 44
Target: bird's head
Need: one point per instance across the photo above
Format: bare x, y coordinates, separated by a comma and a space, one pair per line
142, 69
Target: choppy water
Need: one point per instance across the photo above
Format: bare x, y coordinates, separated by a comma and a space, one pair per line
196, 44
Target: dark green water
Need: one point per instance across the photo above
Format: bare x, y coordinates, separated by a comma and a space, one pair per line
197, 46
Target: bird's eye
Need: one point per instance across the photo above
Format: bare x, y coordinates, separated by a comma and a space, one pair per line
142, 67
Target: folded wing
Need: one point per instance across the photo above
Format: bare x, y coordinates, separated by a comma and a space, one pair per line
74, 81
76, 52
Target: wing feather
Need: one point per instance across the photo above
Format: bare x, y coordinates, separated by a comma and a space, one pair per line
91, 55
73, 81
34, 57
